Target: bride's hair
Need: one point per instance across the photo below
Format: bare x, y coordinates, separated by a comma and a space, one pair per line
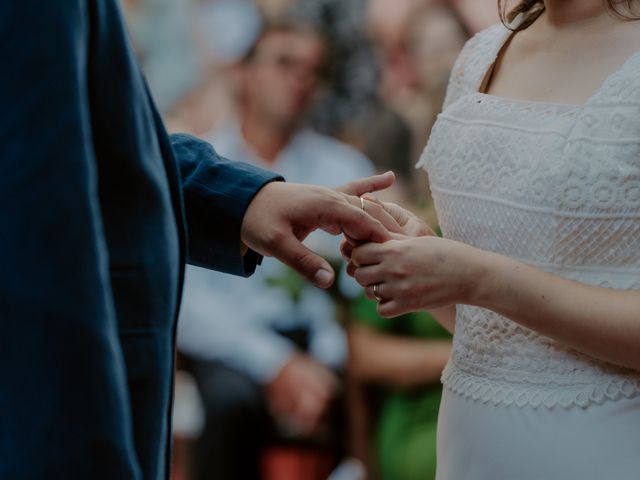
531, 10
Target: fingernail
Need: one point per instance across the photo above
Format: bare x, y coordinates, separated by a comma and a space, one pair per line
323, 277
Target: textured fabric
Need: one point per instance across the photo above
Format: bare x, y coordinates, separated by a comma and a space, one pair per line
554, 186
557, 187
92, 246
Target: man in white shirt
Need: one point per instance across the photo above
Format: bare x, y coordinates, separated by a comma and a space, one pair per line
268, 348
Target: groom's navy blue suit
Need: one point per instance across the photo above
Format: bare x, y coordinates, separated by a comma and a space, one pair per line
93, 200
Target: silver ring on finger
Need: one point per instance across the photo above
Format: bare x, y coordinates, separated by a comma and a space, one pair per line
362, 203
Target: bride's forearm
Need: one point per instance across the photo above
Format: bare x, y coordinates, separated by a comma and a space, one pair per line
601, 322
446, 316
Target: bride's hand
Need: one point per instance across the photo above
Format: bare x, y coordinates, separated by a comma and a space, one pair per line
418, 273
410, 224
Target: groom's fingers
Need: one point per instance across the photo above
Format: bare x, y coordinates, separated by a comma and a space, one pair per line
309, 264
351, 269
391, 308
355, 223
374, 183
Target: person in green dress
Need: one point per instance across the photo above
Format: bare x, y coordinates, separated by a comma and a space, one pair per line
399, 361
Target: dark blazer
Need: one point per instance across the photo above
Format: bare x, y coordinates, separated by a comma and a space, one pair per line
94, 197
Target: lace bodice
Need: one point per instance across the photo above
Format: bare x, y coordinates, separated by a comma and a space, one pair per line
554, 186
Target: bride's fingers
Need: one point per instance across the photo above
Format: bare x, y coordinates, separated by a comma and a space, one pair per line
367, 276
411, 225
368, 291
372, 198
400, 214
368, 254
391, 308
376, 291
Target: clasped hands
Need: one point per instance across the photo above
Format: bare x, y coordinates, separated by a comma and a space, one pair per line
387, 247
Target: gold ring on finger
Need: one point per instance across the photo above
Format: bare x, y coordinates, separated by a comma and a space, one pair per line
362, 203
376, 293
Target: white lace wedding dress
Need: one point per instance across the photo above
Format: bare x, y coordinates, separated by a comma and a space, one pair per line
558, 187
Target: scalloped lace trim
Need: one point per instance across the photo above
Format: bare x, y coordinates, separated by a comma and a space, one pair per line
504, 393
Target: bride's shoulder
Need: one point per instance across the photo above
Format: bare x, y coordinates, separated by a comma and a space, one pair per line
478, 53
492, 35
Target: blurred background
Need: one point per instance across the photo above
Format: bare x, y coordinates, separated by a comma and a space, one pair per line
278, 380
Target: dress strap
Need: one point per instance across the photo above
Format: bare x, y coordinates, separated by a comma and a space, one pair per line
474, 61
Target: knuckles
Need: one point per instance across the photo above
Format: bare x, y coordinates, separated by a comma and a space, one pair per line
405, 289
274, 237
399, 272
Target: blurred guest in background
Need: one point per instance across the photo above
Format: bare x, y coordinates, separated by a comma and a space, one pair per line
350, 108
394, 392
222, 32
477, 14
394, 370
268, 351
353, 90
162, 32
417, 50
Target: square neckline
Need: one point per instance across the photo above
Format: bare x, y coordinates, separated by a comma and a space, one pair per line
508, 36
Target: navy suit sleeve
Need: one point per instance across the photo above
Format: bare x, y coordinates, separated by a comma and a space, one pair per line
216, 193
64, 410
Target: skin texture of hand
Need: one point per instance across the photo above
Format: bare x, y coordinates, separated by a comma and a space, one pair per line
372, 206
301, 393
407, 224
283, 214
410, 225
420, 273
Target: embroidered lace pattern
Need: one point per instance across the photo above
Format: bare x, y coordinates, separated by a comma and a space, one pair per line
555, 186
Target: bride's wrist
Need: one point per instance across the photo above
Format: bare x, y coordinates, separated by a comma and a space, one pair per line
484, 278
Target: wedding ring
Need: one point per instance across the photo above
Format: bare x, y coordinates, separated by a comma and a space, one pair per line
375, 292
362, 203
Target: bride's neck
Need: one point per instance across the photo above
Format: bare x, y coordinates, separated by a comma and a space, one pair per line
561, 13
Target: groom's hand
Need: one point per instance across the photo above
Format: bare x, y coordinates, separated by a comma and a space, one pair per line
283, 214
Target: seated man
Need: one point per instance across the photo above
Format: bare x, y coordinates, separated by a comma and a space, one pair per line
268, 349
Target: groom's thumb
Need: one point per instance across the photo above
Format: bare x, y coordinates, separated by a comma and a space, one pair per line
307, 263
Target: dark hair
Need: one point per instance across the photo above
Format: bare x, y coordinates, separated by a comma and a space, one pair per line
532, 9
286, 25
